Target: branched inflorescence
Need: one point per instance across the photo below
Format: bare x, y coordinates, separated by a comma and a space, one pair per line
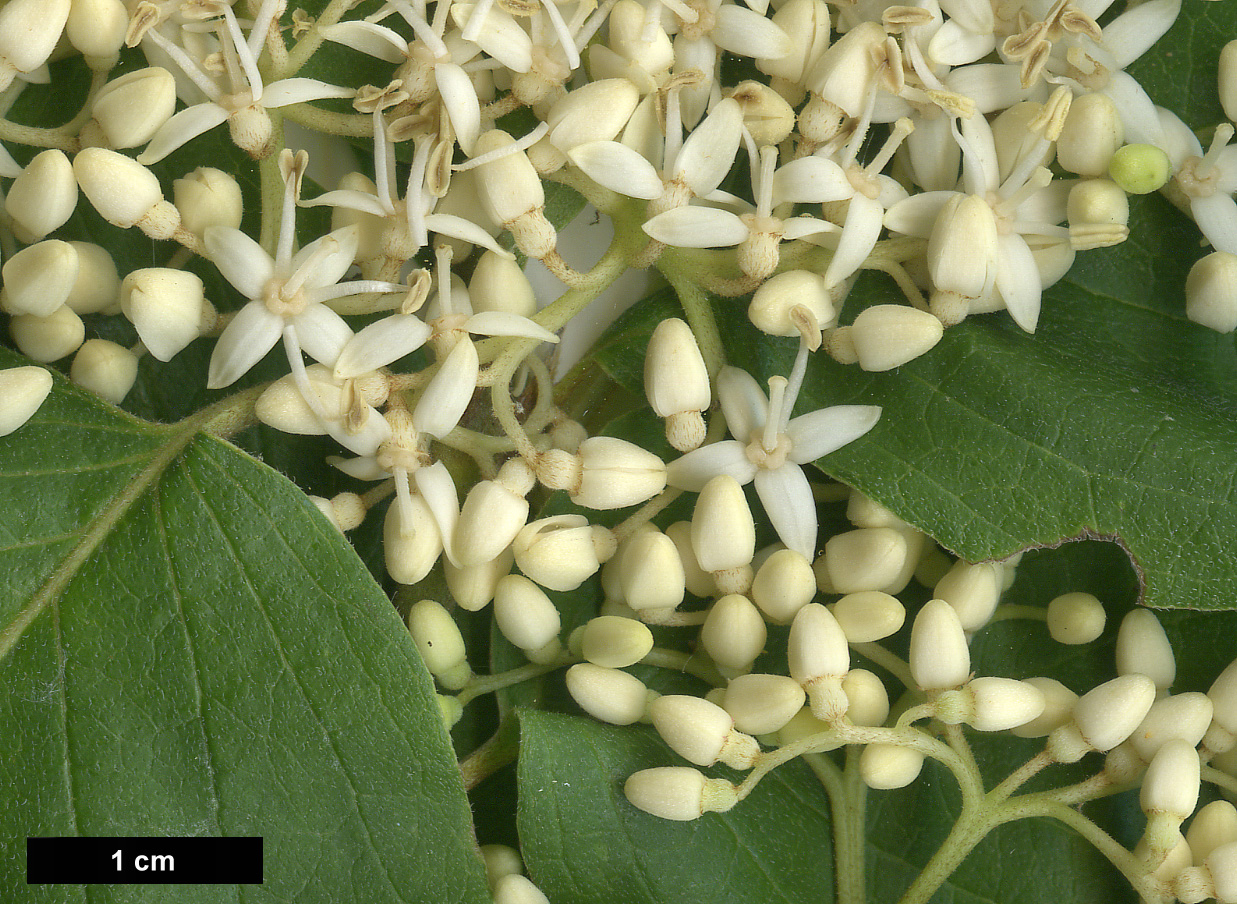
967, 148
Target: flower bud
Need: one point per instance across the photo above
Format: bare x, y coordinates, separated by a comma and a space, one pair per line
105, 368
939, 657
733, 633
97, 283
511, 192
723, 532
527, 617
48, 338
1181, 716
616, 474
29, 31
518, 890
97, 29
440, 643
596, 111
991, 704
889, 335
411, 549
702, 732
866, 559
973, 591
1171, 784
699, 582
608, 695
1090, 136
868, 615
866, 697
501, 860
679, 793
1103, 718
490, 518
1076, 618
472, 586
886, 766
166, 307
766, 114
124, 192
676, 382
647, 50
1211, 292
39, 279
770, 309
1227, 72
22, 391
498, 284
615, 642
962, 249
807, 24
1140, 168
818, 658
651, 572
783, 585
863, 511
128, 110
563, 551
43, 197
1222, 864
1099, 215
1212, 826
1059, 703
840, 81
762, 704
209, 197
1143, 648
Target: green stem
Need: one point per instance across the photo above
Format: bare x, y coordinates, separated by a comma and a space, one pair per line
663, 658
1011, 611
972, 825
850, 852
345, 125
699, 311
480, 685
891, 662
272, 189
501, 749
312, 40
1219, 779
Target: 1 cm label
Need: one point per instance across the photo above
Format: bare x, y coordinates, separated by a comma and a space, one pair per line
143, 863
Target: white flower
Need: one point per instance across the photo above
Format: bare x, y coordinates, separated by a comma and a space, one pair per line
769, 447
1207, 180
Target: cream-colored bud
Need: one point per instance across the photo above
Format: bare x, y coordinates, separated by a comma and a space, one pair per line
29, 31
933, 565
518, 890
840, 81
49, 338
129, 110
733, 633
679, 792
1090, 136
991, 704
870, 558
97, 284
1223, 695
105, 368
651, 572
784, 584
38, 279
962, 249
208, 197
1227, 72
1211, 292
608, 695
1222, 864
124, 192
501, 860
1171, 784
616, 474
97, 29
490, 518
370, 227
866, 697
973, 591
1143, 648
807, 24
282, 406
762, 704
863, 511
886, 766
1181, 716
596, 111
676, 382
349, 510
1097, 202
939, 656
43, 197
1059, 703
766, 114
498, 284
1076, 618
630, 38
411, 549
615, 642
699, 582
1016, 138
770, 309
561, 552
1212, 826
1103, 718
472, 586
567, 435
889, 335
22, 391
440, 643
165, 306
511, 192
702, 732
723, 532
819, 658
868, 615
526, 616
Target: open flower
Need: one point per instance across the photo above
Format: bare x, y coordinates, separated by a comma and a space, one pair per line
769, 447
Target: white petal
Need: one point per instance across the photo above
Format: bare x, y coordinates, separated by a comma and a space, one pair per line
749, 34
380, 343
1179, 140
1137, 112
1132, 33
1216, 216
504, 323
438, 490
375, 432
701, 54
993, 86
449, 391
360, 468
1018, 281
953, 45
693, 470
859, 234
917, 214
350, 199
811, 180
818, 433
245, 341
980, 168
240, 259
321, 332
972, 15
744, 404
369, 38
290, 91
341, 247
9, 168
459, 96
465, 230
708, 153
934, 154
181, 128
500, 36
618, 168
787, 499
697, 227
802, 227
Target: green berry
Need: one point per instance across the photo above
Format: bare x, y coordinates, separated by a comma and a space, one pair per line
1140, 168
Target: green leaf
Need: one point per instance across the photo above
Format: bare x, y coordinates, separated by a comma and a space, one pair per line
188, 648
585, 844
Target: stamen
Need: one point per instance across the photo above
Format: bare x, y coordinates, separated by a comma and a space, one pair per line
901, 129
414, 197
795, 383
262, 25
352, 287
476, 19
674, 131
686, 14
773, 423
403, 498
422, 29
520, 144
287, 218
565, 38
1223, 134
1013, 194
248, 64
187, 65
442, 259
384, 163
292, 347
768, 164
327, 246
